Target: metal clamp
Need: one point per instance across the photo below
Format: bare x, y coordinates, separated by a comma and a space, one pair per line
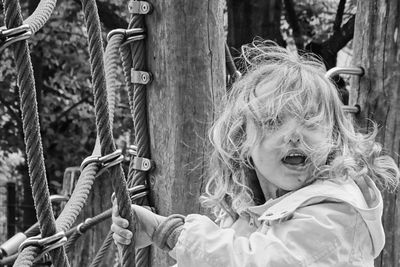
140, 77
344, 70
134, 38
10, 36
46, 244
132, 150
142, 164
106, 161
354, 110
139, 7
135, 192
58, 198
79, 226
125, 32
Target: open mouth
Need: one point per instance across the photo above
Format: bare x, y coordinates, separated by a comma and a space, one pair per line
295, 158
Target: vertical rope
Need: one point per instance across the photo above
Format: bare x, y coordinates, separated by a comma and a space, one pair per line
103, 121
34, 150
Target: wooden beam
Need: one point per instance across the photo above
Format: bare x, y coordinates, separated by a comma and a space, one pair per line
185, 54
377, 50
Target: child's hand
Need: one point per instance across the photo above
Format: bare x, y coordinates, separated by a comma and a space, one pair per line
147, 223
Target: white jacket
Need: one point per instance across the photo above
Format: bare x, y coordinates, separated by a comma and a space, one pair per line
324, 224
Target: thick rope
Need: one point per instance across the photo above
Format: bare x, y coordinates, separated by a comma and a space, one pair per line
34, 150
78, 197
102, 252
84, 185
41, 15
134, 57
103, 121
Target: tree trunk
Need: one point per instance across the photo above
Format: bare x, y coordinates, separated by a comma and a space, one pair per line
185, 53
254, 18
377, 50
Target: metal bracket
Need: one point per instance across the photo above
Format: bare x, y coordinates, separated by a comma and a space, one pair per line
46, 244
106, 161
354, 110
140, 77
125, 32
142, 164
139, 7
359, 71
10, 36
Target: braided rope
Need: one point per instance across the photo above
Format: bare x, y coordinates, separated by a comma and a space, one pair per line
134, 57
103, 121
143, 255
111, 59
34, 150
102, 252
138, 105
41, 15
78, 197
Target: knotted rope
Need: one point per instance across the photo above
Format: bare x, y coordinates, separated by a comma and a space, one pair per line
34, 150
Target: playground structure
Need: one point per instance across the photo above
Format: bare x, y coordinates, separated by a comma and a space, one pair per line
169, 182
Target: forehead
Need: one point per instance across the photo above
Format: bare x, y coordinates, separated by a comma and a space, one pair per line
274, 97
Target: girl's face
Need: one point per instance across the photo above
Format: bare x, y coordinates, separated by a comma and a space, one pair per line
288, 152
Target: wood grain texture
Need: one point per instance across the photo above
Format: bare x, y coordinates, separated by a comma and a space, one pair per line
377, 50
185, 53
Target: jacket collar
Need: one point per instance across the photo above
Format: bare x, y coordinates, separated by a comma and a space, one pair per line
321, 190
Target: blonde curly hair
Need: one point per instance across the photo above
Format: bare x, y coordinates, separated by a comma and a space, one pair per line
295, 84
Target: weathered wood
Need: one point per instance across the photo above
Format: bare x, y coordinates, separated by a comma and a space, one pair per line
185, 53
377, 50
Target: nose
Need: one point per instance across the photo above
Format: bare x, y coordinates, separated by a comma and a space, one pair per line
293, 136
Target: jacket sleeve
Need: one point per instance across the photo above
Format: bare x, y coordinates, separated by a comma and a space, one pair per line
312, 236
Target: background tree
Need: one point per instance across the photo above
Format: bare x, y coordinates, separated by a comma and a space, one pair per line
320, 27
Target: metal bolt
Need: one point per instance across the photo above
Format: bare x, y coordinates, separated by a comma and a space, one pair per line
145, 77
145, 7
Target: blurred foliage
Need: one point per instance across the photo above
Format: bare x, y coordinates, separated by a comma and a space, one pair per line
316, 19
60, 58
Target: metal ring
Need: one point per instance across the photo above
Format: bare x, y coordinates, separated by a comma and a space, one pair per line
113, 162
125, 32
4, 32
139, 195
9, 41
134, 39
344, 70
58, 198
111, 156
38, 241
88, 160
354, 110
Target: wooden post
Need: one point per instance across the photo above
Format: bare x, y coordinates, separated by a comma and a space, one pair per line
377, 50
185, 53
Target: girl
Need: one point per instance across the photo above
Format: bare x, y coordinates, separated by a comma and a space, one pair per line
293, 183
